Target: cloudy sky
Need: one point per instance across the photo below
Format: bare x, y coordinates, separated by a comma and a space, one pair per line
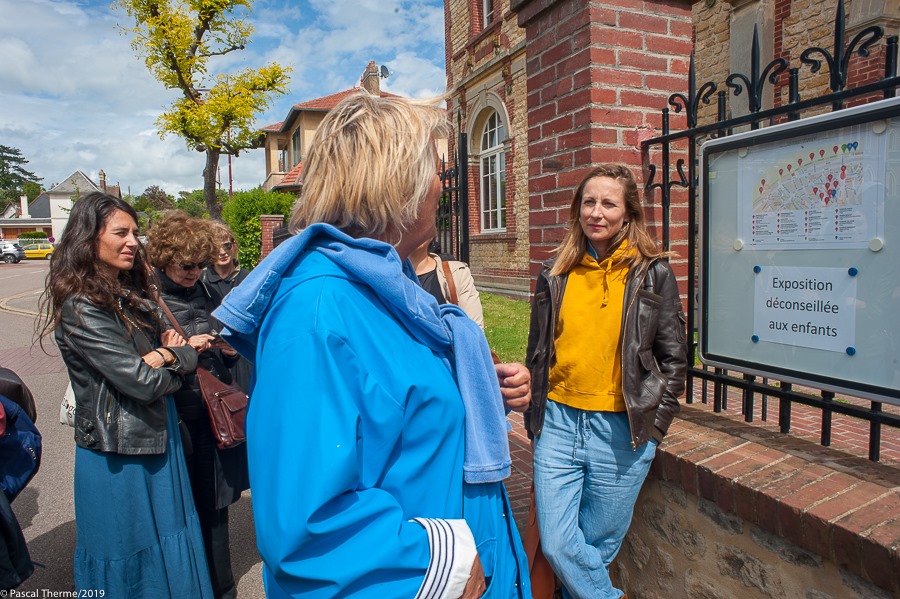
73, 96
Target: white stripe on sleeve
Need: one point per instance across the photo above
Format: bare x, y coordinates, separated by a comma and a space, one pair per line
453, 552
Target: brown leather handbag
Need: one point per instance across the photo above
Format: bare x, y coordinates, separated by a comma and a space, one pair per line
226, 404
227, 407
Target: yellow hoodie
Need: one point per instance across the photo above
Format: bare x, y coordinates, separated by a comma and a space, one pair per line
587, 372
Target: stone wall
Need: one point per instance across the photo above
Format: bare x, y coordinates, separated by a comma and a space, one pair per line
731, 510
787, 28
486, 71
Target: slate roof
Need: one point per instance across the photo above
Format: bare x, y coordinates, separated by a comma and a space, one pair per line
77, 181
40, 206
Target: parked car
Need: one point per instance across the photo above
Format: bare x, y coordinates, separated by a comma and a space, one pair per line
11, 252
39, 250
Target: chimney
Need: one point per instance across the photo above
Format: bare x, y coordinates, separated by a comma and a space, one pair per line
371, 79
24, 201
102, 180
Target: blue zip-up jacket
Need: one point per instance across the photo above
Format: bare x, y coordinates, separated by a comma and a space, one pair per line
357, 431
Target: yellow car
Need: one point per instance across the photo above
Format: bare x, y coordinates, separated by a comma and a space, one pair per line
38, 250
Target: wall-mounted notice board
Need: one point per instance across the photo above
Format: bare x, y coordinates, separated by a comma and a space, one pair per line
800, 251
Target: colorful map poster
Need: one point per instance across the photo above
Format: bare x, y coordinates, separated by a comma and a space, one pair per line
824, 191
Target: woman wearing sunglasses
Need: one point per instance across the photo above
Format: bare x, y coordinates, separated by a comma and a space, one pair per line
220, 277
180, 248
225, 273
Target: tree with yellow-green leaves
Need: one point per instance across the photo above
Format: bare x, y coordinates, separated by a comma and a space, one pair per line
215, 115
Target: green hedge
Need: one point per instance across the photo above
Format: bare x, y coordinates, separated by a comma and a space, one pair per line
33, 235
242, 214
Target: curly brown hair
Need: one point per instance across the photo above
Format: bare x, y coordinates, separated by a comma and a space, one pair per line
179, 238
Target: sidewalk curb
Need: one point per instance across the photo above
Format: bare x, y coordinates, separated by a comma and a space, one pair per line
6, 308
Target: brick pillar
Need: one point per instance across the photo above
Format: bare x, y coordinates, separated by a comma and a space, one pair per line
268, 223
599, 74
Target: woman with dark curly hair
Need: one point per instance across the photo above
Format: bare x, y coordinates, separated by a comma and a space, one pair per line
129, 452
180, 247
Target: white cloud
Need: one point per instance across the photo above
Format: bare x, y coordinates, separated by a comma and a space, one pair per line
75, 96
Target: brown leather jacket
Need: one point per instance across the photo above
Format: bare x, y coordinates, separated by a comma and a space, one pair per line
654, 350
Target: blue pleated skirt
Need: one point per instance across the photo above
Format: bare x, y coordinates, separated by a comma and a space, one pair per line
138, 532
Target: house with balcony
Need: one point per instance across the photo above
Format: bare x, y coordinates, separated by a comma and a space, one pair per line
286, 142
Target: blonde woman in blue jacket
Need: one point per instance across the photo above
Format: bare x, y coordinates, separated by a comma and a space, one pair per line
376, 436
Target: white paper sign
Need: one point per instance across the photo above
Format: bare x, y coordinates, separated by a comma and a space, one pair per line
806, 307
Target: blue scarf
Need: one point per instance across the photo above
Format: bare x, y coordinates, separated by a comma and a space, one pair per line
441, 328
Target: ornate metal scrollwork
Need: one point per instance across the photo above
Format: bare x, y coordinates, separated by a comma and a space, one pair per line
757, 80
691, 103
838, 62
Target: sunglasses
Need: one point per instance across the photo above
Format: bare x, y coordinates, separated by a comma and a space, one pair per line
189, 266
227, 246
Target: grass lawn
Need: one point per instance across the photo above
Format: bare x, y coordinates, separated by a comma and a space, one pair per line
506, 326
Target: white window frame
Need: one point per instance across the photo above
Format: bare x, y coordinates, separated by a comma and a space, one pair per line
492, 159
488, 7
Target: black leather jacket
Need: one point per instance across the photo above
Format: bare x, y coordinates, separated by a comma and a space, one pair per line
120, 400
654, 350
192, 308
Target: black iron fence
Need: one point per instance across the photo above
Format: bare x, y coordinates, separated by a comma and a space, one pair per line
718, 383
453, 208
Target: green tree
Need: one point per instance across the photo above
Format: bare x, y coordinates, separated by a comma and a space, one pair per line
32, 189
157, 199
140, 203
242, 214
193, 204
215, 115
13, 175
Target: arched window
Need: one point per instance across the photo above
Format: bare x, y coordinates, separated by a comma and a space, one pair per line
493, 175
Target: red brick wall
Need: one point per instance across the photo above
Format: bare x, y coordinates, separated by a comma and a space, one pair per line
599, 75
269, 222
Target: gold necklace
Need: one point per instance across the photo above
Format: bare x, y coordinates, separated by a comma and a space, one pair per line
133, 323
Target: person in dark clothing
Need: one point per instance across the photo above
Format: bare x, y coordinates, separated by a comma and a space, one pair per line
180, 247
225, 272
220, 277
15, 561
137, 532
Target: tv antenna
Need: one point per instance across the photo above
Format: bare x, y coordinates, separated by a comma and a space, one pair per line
385, 72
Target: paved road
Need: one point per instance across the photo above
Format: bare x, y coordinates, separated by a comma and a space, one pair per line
45, 508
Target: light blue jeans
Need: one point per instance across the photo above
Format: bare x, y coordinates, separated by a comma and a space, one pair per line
586, 481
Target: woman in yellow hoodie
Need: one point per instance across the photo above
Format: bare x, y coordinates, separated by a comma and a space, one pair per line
607, 353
